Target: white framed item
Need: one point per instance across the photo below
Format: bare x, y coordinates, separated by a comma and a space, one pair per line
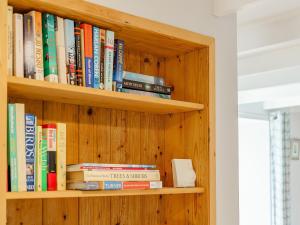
183, 173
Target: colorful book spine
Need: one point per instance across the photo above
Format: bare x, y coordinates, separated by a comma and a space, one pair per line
70, 51
82, 56
143, 78
88, 54
44, 157
49, 43
61, 50
136, 85
12, 148
29, 62
96, 51
18, 55
10, 40
38, 158
108, 59
102, 51
89, 166
61, 156
30, 150
38, 44
145, 93
77, 32
118, 64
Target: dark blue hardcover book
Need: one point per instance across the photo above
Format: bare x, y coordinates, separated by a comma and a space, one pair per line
30, 150
118, 65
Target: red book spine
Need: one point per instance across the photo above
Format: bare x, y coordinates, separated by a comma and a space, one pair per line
136, 185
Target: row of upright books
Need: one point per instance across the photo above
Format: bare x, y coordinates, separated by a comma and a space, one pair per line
36, 154
43, 46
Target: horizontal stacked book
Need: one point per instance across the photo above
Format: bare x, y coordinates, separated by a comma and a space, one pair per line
36, 153
44, 46
97, 176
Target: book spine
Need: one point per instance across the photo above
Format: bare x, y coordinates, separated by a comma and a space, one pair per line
102, 52
49, 43
82, 56
136, 85
96, 51
12, 148
143, 78
140, 185
78, 167
30, 150
44, 168
29, 67
118, 64
85, 186
88, 54
18, 55
111, 185
61, 50
108, 60
38, 159
10, 40
70, 51
79, 75
61, 156
145, 93
110, 168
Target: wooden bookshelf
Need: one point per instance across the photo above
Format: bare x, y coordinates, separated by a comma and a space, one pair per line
110, 127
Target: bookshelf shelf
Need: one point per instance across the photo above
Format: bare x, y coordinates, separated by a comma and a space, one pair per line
84, 194
43, 90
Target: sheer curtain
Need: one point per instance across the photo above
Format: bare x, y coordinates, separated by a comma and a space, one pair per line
280, 168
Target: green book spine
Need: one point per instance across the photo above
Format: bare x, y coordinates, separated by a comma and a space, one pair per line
12, 147
44, 164
49, 43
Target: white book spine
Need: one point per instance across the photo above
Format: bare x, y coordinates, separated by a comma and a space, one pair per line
20, 118
18, 54
61, 156
108, 59
10, 40
61, 51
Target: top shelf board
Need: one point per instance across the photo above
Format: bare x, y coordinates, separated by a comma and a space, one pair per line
43, 90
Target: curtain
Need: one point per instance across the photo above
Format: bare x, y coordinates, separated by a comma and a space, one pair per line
280, 168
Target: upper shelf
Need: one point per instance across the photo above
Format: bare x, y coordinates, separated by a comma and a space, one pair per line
43, 90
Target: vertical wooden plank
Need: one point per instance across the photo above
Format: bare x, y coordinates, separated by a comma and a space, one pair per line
63, 211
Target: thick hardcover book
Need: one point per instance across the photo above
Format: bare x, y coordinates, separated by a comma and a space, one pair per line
44, 163
136, 85
29, 62
77, 32
10, 40
49, 43
70, 51
61, 50
82, 55
145, 93
61, 132
38, 158
95, 166
30, 150
88, 54
143, 78
18, 55
38, 44
102, 52
118, 64
108, 59
114, 175
96, 51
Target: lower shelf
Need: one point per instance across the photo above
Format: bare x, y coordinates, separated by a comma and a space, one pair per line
82, 194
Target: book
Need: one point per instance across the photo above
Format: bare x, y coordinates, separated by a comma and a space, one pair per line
61, 156
88, 54
60, 50
95, 166
114, 185
49, 43
70, 51
118, 64
113, 175
18, 54
136, 85
38, 158
44, 158
102, 51
10, 40
77, 32
29, 62
30, 150
108, 59
96, 54
143, 78
82, 56
37, 39
145, 93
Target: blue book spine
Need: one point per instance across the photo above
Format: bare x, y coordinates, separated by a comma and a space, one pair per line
96, 54
118, 64
112, 185
30, 150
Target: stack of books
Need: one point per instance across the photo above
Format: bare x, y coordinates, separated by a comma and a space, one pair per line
99, 176
36, 154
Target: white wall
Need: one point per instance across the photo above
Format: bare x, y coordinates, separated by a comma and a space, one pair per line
197, 15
